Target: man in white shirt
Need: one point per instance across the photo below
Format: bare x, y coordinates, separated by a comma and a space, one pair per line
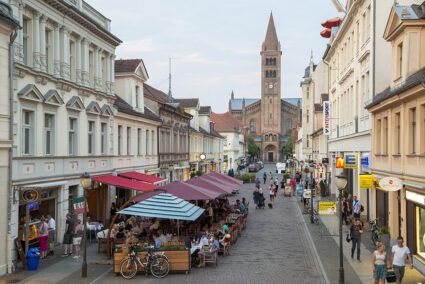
398, 259
51, 227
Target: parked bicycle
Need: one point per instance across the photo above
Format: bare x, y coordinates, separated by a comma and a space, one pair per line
154, 262
374, 231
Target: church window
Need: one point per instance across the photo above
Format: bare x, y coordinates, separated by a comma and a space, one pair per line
267, 61
288, 126
274, 137
274, 74
252, 126
267, 74
270, 116
266, 138
271, 100
274, 61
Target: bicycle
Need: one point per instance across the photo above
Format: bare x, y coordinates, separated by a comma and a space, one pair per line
315, 216
374, 232
155, 263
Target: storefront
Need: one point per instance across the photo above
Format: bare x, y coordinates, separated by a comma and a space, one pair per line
381, 205
415, 217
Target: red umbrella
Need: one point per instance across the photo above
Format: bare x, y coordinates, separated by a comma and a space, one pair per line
326, 33
332, 23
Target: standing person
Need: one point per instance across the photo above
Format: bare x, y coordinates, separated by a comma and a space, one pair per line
67, 237
350, 207
294, 186
257, 182
78, 235
256, 195
355, 235
272, 193
398, 259
271, 176
379, 263
264, 177
51, 227
356, 208
43, 235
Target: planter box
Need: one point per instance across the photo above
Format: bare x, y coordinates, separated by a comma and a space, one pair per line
179, 260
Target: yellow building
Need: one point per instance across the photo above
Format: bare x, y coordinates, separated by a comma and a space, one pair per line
398, 132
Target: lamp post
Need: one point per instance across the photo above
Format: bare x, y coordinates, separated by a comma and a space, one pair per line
311, 169
340, 182
171, 169
85, 183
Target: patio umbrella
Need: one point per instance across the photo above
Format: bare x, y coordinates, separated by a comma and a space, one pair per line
223, 182
210, 185
189, 191
227, 178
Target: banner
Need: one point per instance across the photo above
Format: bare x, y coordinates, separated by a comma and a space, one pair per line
327, 208
350, 161
307, 193
326, 118
366, 181
78, 204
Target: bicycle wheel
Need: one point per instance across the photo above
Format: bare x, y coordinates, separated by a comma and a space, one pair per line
128, 268
159, 266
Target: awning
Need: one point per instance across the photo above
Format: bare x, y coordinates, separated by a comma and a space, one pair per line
143, 177
220, 181
210, 185
125, 183
189, 191
146, 195
165, 206
227, 178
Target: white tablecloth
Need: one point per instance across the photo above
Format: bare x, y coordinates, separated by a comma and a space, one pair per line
194, 248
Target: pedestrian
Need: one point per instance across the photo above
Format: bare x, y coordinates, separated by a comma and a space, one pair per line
67, 237
272, 195
355, 235
43, 235
344, 210
271, 176
294, 185
77, 237
356, 208
398, 259
256, 196
350, 207
265, 177
51, 227
112, 211
257, 182
379, 263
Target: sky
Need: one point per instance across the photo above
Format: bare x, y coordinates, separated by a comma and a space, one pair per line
214, 45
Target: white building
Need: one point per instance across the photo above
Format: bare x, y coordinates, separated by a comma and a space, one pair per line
63, 115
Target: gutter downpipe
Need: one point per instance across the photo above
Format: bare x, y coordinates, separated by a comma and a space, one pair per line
374, 48
9, 184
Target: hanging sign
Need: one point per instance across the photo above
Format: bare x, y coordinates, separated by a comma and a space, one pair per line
364, 161
326, 118
340, 162
350, 161
366, 181
390, 184
78, 204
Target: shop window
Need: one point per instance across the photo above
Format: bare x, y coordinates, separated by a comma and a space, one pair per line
103, 139
72, 136
90, 137
49, 136
420, 231
27, 132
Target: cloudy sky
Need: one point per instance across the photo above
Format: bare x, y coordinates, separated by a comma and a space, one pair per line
215, 44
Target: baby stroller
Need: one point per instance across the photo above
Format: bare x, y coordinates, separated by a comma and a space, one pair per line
261, 203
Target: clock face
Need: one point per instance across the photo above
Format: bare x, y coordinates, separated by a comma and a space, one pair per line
270, 86
202, 157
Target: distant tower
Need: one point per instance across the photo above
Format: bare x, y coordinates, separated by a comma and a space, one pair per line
170, 97
271, 81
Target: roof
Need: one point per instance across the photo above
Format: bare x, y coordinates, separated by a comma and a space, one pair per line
125, 183
306, 81
412, 81
143, 177
125, 107
166, 206
226, 122
205, 110
407, 12
154, 94
6, 15
216, 134
128, 65
187, 103
318, 107
271, 42
236, 104
293, 101
325, 97
307, 70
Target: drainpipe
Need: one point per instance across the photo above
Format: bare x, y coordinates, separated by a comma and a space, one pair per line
374, 48
157, 148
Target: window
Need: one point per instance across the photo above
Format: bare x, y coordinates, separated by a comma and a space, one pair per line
91, 67
267, 61
137, 96
267, 74
412, 130
420, 230
274, 73
397, 133
253, 126
49, 134
288, 126
147, 142
378, 136
25, 40
72, 61
308, 116
90, 136
27, 132
385, 136
72, 136
48, 50
422, 131
139, 141
103, 138
153, 143
270, 116
119, 140
128, 140
399, 67
308, 92
274, 61
357, 37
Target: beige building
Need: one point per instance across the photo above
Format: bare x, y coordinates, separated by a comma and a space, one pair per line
8, 26
398, 135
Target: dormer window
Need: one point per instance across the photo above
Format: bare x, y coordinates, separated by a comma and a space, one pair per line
137, 96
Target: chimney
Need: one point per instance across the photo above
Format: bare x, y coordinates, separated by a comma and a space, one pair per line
212, 126
230, 106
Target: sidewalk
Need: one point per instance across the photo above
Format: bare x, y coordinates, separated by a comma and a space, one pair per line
363, 269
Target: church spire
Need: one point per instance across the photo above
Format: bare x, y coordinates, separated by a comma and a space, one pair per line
271, 42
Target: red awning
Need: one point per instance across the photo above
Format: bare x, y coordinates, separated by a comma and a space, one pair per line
223, 182
227, 178
189, 191
332, 23
125, 183
142, 177
208, 184
326, 33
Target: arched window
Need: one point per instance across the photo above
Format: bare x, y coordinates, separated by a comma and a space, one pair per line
267, 61
274, 61
266, 138
288, 126
267, 74
274, 74
274, 137
253, 126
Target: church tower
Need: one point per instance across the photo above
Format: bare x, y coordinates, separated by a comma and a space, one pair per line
271, 54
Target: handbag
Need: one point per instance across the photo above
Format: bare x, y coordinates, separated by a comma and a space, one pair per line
391, 276
347, 238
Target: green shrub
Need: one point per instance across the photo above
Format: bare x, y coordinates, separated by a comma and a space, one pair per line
345, 193
238, 177
285, 177
383, 231
172, 247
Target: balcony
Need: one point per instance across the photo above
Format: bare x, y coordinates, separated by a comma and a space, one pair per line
173, 157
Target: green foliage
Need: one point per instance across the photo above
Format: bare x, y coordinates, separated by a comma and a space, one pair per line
253, 149
287, 149
345, 193
198, 173
322, 185
246, 178
192, 174
286, 176
173, 247
384, 231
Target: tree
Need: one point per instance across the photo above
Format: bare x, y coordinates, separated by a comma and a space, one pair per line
253, 149
287, 149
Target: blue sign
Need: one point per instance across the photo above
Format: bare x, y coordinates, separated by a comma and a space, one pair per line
299, 189
365, 162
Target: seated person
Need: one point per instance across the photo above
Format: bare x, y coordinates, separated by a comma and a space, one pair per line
135, 230
154, 226
204, 240
120, 236
162, 237
211, 253
226, 237
157, 241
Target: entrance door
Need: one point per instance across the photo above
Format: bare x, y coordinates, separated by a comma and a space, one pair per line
382, 208
410, 226
270, 157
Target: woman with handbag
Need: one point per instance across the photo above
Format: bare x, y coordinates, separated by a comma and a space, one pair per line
43, 235
379, 263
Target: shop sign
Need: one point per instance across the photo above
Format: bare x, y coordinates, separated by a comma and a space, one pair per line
325, 160
350, 161
299, 189
340, 162
78, 204
366, 181
390, 184
327, 208
30, 195
307, 193
364, 162
326, 118
415, 197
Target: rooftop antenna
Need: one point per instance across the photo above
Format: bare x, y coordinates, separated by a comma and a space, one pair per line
170, 97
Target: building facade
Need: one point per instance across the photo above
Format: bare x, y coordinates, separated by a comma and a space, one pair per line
398, 136
271, 118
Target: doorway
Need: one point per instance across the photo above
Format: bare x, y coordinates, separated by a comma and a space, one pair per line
270, 157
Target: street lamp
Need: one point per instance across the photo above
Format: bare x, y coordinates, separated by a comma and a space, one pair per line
340, 182
311, 169
171, 169
85, 183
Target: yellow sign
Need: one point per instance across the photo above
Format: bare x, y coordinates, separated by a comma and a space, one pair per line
327, 208
350, 160
366, 181
288, 170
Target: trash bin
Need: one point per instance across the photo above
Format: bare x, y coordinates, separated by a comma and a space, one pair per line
33, 257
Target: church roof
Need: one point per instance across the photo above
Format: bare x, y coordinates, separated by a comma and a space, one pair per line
236, 104
293, 101
271, 42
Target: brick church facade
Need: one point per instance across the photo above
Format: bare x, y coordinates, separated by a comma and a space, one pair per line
269, 119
